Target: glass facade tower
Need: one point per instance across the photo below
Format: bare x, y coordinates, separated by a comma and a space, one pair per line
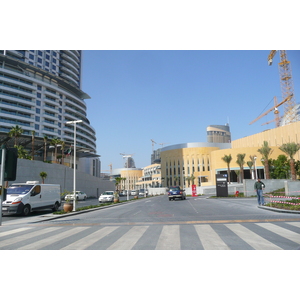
40, 90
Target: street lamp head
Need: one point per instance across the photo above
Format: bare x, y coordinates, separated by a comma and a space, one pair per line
75, 121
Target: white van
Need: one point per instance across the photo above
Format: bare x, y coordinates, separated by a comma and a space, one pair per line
23, 198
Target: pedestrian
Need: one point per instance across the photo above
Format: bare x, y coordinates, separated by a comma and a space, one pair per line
258, 187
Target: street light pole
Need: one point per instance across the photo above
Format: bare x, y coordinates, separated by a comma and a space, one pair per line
255, 173
127, 156
74, 173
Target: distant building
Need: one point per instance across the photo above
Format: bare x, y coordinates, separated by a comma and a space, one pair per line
155, 157
130, 162
218, 134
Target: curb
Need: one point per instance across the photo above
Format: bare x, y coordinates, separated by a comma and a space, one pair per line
280, 210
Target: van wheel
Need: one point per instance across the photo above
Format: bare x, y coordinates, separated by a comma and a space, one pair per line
55, 207
26, 210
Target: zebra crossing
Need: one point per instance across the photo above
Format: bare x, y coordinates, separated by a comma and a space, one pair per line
227, 236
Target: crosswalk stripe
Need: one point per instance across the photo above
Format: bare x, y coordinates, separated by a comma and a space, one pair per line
129, 239
288, 234
251, 238
297, 224
27, 236
169, 238
5, 233
209, 238
91, 238
50, 240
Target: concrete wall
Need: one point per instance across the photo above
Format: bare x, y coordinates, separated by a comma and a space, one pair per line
292, 188
59, 174
271, 185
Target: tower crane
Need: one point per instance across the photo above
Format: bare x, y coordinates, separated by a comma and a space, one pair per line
273, 108
153, 142
287, 86
276, 113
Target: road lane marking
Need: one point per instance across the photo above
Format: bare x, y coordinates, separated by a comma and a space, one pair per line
90, 239
169, 238
297, 224
251, 238
129, 239
288, 234
27, 236
209, 238
5, 233
50, 240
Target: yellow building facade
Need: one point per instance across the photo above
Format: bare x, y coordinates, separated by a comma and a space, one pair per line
151, 177
203, 161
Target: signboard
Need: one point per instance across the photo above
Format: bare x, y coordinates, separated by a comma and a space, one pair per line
194, 190
221, 185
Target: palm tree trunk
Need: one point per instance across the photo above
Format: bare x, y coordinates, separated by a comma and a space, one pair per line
293, 170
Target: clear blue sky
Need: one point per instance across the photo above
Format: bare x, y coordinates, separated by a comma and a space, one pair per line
168, 96
172, 96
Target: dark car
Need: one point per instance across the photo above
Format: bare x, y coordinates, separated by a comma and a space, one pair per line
176, 192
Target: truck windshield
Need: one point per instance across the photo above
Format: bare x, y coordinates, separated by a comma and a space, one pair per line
19, 189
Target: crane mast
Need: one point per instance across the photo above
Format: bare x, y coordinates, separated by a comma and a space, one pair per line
287, 86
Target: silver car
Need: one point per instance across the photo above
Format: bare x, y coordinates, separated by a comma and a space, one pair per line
107, 196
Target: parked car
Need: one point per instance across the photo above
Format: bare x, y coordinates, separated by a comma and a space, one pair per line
176, 192
134, 193
122, 193
143, 192
107, 196
79, 196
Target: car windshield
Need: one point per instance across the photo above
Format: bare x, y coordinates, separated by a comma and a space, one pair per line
108, 193
19, 189
175, 189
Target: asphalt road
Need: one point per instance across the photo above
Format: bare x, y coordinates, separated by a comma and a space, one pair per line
158, 224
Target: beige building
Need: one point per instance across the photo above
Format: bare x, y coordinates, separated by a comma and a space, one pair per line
204, 160
151, 177
131, 176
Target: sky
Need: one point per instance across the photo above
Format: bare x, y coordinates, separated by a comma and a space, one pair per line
164, 70
171, 96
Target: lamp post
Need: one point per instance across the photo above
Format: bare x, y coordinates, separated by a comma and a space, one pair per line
255, 172
127, 156
74, 174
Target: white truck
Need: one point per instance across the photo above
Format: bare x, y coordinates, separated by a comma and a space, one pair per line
23, 198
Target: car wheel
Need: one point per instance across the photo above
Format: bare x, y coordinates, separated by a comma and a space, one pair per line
26, 210
55, 207
84, 198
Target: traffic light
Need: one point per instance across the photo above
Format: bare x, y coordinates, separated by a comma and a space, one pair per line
11, 159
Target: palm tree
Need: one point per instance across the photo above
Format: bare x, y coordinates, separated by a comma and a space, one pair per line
266, 151
45, 147
291, 149
15, 132
22, 153
43, 176
240, 161
193, 179
55, 142
118, 181
227, 159
32, 143
175, 180
250, 165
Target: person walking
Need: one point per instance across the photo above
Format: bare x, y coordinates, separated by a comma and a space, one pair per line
258, 187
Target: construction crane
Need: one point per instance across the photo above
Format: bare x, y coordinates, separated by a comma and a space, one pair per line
276, 113
287, 86
162, 144
153, 142
273, 108
110, 168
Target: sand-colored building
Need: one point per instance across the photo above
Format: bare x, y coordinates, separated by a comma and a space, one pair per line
204, 160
